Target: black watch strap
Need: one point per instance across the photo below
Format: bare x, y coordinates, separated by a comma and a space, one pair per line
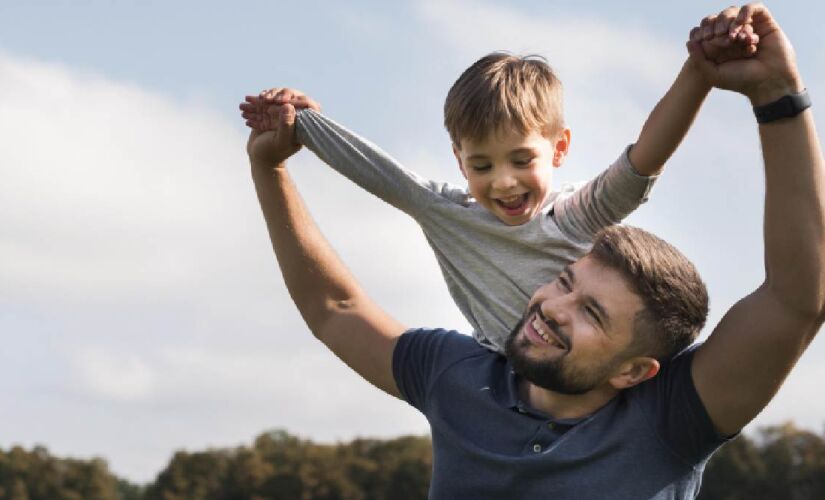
784, 107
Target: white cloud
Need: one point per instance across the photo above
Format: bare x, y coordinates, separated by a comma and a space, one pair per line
135, 270
114, 375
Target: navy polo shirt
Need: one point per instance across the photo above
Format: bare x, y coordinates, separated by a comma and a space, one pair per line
650, 441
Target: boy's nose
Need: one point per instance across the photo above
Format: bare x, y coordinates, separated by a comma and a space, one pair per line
504, 182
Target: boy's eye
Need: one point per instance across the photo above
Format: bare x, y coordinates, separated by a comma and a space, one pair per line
564, 283
523, 162
480, 168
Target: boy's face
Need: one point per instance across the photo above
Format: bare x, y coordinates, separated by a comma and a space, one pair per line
509, 172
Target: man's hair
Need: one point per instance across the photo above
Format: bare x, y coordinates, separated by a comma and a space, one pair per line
675, 298
502, 90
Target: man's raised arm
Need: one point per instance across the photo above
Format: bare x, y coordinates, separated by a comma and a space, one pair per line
752, 350
329, 298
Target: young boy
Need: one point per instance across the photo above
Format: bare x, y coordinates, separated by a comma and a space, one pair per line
508, 232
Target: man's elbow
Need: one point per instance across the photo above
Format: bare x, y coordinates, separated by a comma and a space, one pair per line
319, 318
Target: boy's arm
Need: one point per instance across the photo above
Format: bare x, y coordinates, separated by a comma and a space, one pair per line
351, 155
615, 193
669, 121
332, 303
673, 115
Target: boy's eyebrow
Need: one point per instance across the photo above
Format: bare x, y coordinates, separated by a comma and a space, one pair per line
516, 151
591, 301
523, 150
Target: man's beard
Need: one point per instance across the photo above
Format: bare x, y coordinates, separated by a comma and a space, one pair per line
551, 374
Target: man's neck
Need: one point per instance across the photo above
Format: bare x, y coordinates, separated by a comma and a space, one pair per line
564, 406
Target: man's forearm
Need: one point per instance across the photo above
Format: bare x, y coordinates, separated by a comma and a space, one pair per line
669, 121
795, 212
317, 280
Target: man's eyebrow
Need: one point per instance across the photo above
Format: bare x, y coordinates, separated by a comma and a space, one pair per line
604, 318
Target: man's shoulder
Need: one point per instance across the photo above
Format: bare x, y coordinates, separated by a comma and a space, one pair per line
440, 342
422, 356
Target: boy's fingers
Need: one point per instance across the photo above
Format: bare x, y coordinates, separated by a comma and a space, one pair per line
695, 34
700, 59
724, 20
707, 27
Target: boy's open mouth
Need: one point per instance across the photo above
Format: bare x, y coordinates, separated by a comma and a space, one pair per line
514, 205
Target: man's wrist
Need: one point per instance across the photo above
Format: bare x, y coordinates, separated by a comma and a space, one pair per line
786, 106
772, 91
267, 166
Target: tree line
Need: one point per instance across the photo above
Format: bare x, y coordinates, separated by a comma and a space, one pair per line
776, 463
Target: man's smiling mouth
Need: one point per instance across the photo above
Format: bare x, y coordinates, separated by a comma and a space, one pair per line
547, 333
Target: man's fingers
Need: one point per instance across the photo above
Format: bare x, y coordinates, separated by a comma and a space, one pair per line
302, 101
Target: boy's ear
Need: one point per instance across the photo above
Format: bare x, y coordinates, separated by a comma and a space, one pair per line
561, 147
457, 153
634, 371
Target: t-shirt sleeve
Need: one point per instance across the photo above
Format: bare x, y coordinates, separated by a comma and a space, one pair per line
603, 201
682, 421
421, 355
367, 165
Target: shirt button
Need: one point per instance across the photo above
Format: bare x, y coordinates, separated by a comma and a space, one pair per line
537, 448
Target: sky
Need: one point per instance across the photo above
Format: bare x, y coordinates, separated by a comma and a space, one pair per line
141, 309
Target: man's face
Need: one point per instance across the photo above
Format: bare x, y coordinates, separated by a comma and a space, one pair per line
509, 173
576, 329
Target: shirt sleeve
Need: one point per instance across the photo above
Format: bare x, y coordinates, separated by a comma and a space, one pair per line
603, 201
682, 421
368, 166
421, 355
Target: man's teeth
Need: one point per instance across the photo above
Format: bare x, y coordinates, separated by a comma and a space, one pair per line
541, 329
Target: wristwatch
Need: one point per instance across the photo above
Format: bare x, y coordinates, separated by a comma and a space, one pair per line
784, 107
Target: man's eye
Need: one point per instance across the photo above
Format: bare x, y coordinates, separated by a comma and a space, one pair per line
564, 283
525, 162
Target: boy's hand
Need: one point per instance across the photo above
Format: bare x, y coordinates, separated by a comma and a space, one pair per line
768, 74
262, 112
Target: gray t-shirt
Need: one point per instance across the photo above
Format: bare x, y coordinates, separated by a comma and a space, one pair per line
651, 441
491, 269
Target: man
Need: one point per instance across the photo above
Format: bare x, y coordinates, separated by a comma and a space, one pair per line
592, 399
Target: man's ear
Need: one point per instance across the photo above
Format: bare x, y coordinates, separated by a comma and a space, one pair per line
561, 147
634, 371
457, 153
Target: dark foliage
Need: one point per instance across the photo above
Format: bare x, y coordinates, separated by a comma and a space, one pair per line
780, 462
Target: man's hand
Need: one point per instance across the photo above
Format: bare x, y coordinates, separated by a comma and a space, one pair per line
719, 43
271, 115
262, 111
764, 75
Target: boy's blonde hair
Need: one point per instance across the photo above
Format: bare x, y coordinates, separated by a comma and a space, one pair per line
501, 90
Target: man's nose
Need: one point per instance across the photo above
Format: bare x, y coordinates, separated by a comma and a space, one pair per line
558, 309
